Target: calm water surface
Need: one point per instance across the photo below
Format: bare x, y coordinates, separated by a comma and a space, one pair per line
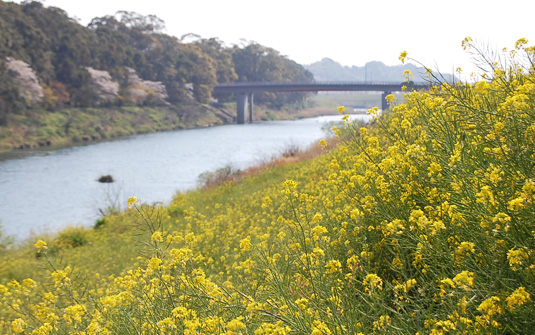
47, 190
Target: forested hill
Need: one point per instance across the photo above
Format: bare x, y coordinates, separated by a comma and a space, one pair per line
49, 61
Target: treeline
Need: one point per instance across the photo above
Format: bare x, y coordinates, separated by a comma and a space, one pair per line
48, 60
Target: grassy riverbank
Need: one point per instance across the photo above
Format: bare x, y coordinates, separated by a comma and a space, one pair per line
73, 126
421, 223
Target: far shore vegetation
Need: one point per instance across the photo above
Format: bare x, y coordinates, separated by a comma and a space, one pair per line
74, 126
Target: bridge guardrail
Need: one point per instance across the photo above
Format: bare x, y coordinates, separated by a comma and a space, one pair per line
274, 83
255, 87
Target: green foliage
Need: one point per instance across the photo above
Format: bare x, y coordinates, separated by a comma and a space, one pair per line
256, 63
100, 222
72, 237
9, 95
37, 128
59, 50
5, 241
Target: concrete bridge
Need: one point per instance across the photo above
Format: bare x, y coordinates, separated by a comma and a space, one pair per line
245, 90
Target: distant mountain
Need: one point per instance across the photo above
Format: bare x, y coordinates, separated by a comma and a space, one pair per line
330, 70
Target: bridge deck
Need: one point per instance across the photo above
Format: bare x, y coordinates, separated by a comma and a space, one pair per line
256, 87
246, 91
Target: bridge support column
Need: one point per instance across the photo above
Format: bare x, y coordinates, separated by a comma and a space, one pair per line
242, 101
384, 104
243, 98
251, 103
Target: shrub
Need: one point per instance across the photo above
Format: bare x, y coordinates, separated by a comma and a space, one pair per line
72, 237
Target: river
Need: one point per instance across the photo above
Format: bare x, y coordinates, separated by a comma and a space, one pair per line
44, 191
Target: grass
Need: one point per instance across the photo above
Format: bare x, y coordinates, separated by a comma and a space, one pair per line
289, 155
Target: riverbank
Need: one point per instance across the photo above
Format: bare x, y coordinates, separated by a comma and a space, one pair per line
74, 126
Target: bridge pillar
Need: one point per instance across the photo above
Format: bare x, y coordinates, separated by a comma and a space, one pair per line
251, 103
242, 101
384, 104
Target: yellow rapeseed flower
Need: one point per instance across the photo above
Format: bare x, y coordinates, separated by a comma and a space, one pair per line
516, 258
373, 111
60, 276
154, 263
520, 43
402, 56
517, 298
166, 325
372, 282
157, 237
180, 312
408, 75
74, 313
236, 324
467, 42
302, 303
44, 329
40, 245
245, 244
333, 266
30, 283
320, 328
18, 325
465, 279
466, 247
490, 307
132, 202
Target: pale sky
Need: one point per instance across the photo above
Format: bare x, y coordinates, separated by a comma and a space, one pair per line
349, 32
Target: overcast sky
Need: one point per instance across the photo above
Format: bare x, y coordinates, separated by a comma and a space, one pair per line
349, 32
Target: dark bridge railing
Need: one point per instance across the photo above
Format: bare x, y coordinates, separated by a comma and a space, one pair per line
255, 87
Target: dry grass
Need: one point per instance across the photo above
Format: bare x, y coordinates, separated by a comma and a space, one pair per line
290, 155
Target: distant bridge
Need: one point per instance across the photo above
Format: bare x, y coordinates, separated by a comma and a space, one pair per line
245, 91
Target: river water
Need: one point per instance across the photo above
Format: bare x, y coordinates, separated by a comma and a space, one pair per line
44, 191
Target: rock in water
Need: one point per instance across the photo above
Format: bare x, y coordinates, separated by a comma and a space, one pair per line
106, 179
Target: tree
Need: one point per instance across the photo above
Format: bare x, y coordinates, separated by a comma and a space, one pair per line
222, 57
59, 50
9, 95
256, 63
194, 66
150, 24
